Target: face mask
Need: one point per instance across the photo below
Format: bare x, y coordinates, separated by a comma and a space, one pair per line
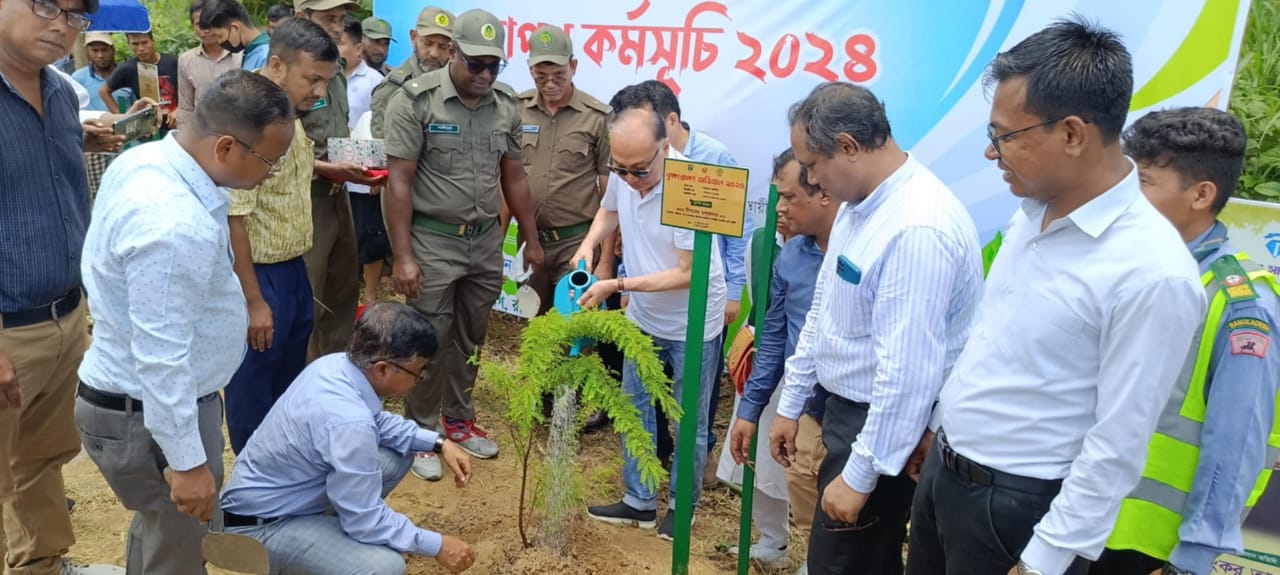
226, 45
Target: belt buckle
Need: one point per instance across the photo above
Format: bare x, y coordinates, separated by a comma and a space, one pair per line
467, 230
53, 307
555, 235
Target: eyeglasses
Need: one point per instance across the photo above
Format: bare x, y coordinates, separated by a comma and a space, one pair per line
559, 79
49, 11
1005, 137
477, 66
272, 167
418, 376
638, 174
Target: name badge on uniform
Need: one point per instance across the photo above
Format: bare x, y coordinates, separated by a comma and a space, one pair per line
321, 103
848, 271
443, 129
530, 128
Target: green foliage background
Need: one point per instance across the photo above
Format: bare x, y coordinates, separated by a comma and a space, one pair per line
1256, 100
172, 29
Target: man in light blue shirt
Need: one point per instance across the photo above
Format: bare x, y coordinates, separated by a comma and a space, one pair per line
102, 63
311, 481
170, 317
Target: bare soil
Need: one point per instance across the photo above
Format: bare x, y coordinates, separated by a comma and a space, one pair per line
484, 514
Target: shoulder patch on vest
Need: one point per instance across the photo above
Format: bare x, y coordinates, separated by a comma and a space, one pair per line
1245, 323
1233, 280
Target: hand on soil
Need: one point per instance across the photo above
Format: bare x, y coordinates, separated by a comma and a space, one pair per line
458, 461
782, 440
192, 491
455, 555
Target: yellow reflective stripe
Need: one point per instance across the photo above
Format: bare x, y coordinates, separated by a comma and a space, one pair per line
1145, 527
1171, 462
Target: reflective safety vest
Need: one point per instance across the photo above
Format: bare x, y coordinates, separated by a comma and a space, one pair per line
1151, 514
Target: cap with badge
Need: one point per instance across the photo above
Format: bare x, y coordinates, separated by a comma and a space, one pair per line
550, 44
432, 20
479, 33
98, 37
318, 5
376, 29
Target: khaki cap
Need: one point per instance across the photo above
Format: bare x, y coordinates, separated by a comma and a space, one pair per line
479, 33
91, 37
301, 5
376, 29
550, 44
432, 20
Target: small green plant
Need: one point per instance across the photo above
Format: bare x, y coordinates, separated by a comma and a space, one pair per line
1255, 99
580, 384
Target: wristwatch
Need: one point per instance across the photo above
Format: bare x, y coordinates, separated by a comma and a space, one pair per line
439, 446
1171, 569
1024, 569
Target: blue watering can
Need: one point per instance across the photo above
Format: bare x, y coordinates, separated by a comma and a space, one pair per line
568, 290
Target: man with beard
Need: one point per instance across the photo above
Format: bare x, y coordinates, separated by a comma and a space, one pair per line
102, 63
453, 148
377, 42
432, 42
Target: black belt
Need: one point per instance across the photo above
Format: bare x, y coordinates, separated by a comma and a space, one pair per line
117, 402
986, 476
864, 406
52, 311
230, 519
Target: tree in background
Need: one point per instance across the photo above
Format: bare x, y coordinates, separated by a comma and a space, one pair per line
1256, 100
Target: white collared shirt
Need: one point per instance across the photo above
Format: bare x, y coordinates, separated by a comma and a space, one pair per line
360, 100
1081, 333
169, 314
890, 339
651, 247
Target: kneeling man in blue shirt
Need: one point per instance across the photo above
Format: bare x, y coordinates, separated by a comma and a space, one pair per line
311, 481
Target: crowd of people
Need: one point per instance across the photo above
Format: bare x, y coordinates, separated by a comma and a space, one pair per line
1102, 401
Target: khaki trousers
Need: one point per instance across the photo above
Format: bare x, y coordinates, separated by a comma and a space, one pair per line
802, 476
333, 267
461, 280
37, 439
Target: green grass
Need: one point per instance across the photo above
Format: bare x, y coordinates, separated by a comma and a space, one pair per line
1256, 100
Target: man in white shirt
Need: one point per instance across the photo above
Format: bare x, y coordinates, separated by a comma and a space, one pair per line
372, 243
660, 267
1087, 317
169, 315
891, 311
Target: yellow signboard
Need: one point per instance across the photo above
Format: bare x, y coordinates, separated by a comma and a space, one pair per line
704, 197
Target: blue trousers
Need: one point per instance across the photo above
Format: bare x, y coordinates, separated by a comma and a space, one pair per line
265, 375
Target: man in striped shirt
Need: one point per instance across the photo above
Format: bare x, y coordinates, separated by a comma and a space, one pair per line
891, 312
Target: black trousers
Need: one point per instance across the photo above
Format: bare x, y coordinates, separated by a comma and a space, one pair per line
961, 527
873, 545
1126, 562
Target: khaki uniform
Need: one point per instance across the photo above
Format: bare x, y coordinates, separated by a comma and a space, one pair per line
456, 237
564, 155
390, 84
332, 262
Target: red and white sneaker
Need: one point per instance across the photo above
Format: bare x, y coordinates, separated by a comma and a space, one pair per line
470, 437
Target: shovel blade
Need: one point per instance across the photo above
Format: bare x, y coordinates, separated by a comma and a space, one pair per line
235, 552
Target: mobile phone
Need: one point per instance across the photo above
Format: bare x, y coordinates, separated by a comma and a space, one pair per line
138, 125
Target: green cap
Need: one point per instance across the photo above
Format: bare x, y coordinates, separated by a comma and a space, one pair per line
550, 44
376, 29
432, 20
479, 33
318, 5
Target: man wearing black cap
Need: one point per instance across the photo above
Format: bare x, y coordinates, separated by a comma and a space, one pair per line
43, 331
454, 151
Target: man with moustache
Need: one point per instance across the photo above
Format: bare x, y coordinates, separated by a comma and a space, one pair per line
102, 63
453, 148
377, 42
270, 231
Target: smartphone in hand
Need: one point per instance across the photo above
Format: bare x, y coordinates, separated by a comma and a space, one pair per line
138, 125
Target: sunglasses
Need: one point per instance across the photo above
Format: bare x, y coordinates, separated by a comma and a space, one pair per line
638, 174
477, 66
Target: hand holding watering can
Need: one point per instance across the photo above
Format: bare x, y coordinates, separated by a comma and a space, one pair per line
576, 291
